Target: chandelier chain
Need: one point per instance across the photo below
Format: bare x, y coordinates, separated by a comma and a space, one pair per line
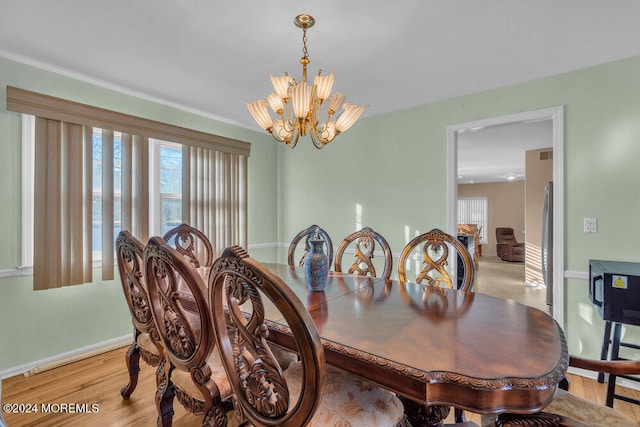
305, 52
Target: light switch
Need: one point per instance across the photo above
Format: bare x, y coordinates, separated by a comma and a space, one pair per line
590, 225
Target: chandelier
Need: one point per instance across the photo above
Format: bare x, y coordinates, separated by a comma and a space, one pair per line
298, 106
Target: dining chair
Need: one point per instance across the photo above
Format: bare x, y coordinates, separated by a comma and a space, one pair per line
129, 255
433, 259
191, 370
434, 249
568, 410
307, 234
192, 243
474, 231
476, 246
307, 393
364, 241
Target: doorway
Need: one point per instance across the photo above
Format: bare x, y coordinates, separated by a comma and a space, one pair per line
556, 116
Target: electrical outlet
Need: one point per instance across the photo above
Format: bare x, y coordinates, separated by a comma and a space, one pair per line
590, 225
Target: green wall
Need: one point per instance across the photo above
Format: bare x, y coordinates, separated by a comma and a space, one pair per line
43, 324
387, 172
394, 167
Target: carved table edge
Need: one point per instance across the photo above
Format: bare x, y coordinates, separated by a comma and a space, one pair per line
546, 381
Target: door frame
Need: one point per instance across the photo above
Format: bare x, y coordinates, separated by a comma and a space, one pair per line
556, 115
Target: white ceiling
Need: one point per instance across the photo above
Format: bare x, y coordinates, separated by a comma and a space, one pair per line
211, 57
495, 153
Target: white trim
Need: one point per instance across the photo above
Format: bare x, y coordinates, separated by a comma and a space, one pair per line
72, 355
268, 245
15, 272
580, 275
556, 114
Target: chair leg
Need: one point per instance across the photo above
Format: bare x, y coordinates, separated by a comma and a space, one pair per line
132, 358
164, 394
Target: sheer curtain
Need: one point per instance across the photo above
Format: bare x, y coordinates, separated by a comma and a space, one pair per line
214, 195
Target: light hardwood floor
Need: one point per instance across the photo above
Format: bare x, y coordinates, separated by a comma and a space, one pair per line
98, 380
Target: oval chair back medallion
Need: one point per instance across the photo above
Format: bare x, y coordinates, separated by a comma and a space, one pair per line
434, 259
365, 245
307, 234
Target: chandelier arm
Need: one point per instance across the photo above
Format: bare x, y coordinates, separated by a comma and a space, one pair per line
318, 140
292, 142
288, 115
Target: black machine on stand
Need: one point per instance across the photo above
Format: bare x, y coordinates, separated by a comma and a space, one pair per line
614, 290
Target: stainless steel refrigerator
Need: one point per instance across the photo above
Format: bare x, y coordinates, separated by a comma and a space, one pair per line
547, 242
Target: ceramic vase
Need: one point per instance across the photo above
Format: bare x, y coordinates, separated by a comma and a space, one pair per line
316, 265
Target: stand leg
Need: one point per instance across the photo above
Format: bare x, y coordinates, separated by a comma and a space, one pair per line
604, 353
615, 351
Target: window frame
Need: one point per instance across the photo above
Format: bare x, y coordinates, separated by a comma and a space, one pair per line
156, 196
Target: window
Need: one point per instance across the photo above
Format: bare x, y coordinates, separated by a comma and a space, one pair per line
473, 210
80, 175
166, 185
166, 171
96, 220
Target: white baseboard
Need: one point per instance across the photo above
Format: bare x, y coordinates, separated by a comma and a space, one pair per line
67, 357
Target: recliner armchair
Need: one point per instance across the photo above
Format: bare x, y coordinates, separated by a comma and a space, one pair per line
507, 246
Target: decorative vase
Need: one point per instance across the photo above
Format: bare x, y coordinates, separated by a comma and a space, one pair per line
316, 265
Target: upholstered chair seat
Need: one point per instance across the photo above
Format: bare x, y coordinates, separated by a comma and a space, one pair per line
148, 350
349, 401
571, 406
183, 382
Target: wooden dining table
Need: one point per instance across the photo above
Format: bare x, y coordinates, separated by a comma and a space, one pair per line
433, 346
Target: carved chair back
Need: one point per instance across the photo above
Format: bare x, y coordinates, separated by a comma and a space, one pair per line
146, 342
182, 315
435, 258
191, 243
129, 256
239, 286
307, 234
364, 241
